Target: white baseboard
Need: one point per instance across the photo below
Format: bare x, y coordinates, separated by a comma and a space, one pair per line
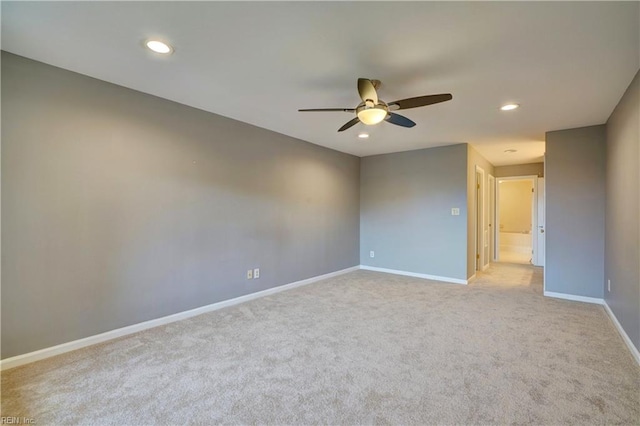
575, 298
414, 274
634, 351
38, 355
471, 278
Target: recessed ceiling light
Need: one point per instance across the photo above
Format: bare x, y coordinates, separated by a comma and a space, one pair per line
159, 46
363, 135
510, 151
509, 107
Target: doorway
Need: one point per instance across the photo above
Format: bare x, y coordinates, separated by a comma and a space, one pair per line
516, 217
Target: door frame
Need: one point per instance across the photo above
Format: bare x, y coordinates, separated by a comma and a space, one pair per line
492, 217
534, 212
478, 209
544, 269
539, 230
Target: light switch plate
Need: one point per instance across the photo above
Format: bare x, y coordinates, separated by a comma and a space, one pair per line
455, 211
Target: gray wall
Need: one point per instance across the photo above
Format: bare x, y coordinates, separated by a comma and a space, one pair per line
622, 252
575, 208
475, 159
406, 200
120, 207
529, 169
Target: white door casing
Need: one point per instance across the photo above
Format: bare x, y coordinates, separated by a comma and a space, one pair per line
539, 231
480, 222
492, 217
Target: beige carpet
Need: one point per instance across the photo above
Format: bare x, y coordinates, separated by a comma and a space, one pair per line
361, 348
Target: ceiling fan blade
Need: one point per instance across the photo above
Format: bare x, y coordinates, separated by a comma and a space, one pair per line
399, 120
421, 101
327, 109
349, 124
367, 90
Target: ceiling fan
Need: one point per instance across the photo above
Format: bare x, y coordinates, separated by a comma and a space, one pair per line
372, 110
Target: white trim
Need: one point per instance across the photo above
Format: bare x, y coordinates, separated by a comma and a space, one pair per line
538, 232
124, 331
491, 182
575, 298
634, 351
544, 268
479, 227
414, 274
471, 278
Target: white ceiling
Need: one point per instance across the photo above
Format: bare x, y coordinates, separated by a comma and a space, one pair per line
567, 64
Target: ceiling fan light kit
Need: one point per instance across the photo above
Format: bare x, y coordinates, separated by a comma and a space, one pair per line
373, 110
372, 115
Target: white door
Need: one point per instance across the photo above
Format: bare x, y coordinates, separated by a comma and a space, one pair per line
539, 232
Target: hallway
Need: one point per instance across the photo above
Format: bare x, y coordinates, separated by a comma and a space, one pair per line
524, 277
514, 257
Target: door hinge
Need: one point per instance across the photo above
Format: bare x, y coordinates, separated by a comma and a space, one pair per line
532, 190
478, 186
477, 256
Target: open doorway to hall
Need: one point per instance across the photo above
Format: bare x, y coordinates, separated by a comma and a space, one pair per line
519, 214
515, 207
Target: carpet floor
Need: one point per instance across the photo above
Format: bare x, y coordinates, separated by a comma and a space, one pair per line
361, 348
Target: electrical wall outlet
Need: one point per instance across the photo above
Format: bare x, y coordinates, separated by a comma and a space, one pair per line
609, 285
256, 273
372, 253
250, 274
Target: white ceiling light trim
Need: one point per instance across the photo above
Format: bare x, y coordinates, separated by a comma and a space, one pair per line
158, 46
